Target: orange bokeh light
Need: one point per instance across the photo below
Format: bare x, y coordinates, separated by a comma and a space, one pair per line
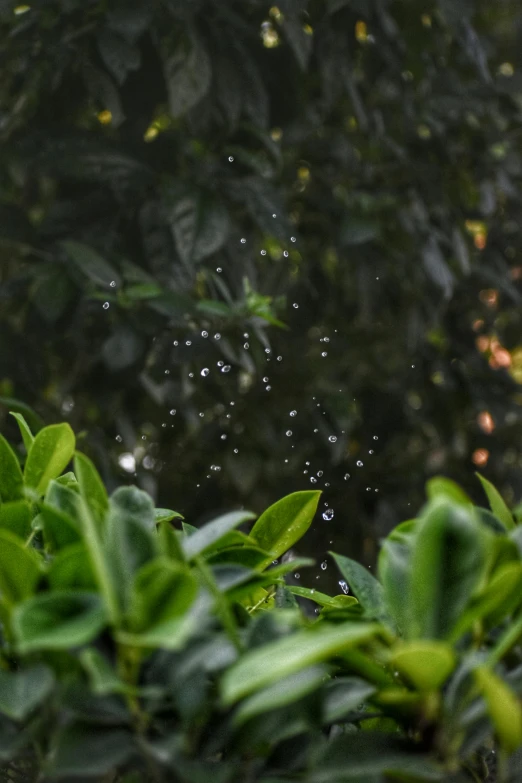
480, 457
485, 422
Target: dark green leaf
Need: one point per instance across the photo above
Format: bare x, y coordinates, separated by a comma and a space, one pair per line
11, 479
22, 691
364, 586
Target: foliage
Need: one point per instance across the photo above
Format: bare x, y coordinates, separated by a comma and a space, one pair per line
141, 143
133, 648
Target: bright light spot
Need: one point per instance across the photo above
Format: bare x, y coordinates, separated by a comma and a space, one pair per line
426, 20
361, 31
105, 117
21, 9
127, 462
328, 514
106, 305
269, 35
151, 133
423, 131
485, 422
506, 69
489, 296
480, 457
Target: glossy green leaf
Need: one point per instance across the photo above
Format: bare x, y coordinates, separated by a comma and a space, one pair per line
25, 431
441, 488
447, 565
16, 516
91, 485
365, 587
344, 695
394, 574
20, 568
249, 556
321, 599
208, 535
496, 501
59, 529
162, 590
424, 664
285, 522
99, 558
11, 478
289, 655
504, 708
24, 690
51, 451
70, 569
58, 621
283, 693
502, 594
165, 515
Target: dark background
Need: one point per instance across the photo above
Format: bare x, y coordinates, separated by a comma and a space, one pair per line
369, 154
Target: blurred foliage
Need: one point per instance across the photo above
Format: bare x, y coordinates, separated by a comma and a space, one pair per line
176, 176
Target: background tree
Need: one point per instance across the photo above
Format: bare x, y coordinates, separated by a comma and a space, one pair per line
180, 178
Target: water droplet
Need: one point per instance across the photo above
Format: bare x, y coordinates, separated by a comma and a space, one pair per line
313, 479
243, 240
246, 346
266, 379
368, 489
376, 437
344, 587
113, 284
188, 342
412, 366
175, 343
319, 473
118, 438
292, 239
172, 411
127, 462
316, 430
370, 451
333, 438
201, 415
219, 270
226, 368
224, 436
204, 372
324, 565
288, 433
215, 468
230, 158
236, 451
267, 388
324, 354
217, 336
190, 375
360, 463
279, 358
267, 350
263, 252
295, 305
106, 305
376, 490
285, 253
327, 339
328, 514
167, 372
204, 333
274, 215
297, 576
293, 413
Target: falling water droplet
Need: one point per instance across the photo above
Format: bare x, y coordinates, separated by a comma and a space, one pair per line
172, 411
215, 468
360, 463
217, 336
285, 253
219, 270
328, 514
204, 372
292, 239
376, 437
293, 413
288, 433
297, 576
324, 565
295, 305
113, 284
346, 476
230, 158
324, 354
188, 342
204, 333
313, 479
344, 587
106, 305
226, 368
243, 240
333, 438
266, 379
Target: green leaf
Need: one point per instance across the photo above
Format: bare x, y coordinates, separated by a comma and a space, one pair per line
200, 225
70, 569
447, 564
283, 693
321, 599
165, 515
22, 691
91, 486
500, 597
59, 529
444, 488
503, 706
248, 556
394, 574
91, 264
368, 591
208, 535
103, 678
27, 435
343, 695
11, 479
285, 522
162, 590
58, 621
424, 664
16, 516
188, 75
289, 655
83, 750
19, 568
51, 451
498, 506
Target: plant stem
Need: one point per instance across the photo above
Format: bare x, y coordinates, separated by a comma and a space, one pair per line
510, 637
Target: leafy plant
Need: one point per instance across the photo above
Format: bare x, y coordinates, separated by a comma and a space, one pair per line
135, 649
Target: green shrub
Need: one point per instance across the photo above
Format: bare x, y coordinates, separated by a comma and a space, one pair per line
135, 647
